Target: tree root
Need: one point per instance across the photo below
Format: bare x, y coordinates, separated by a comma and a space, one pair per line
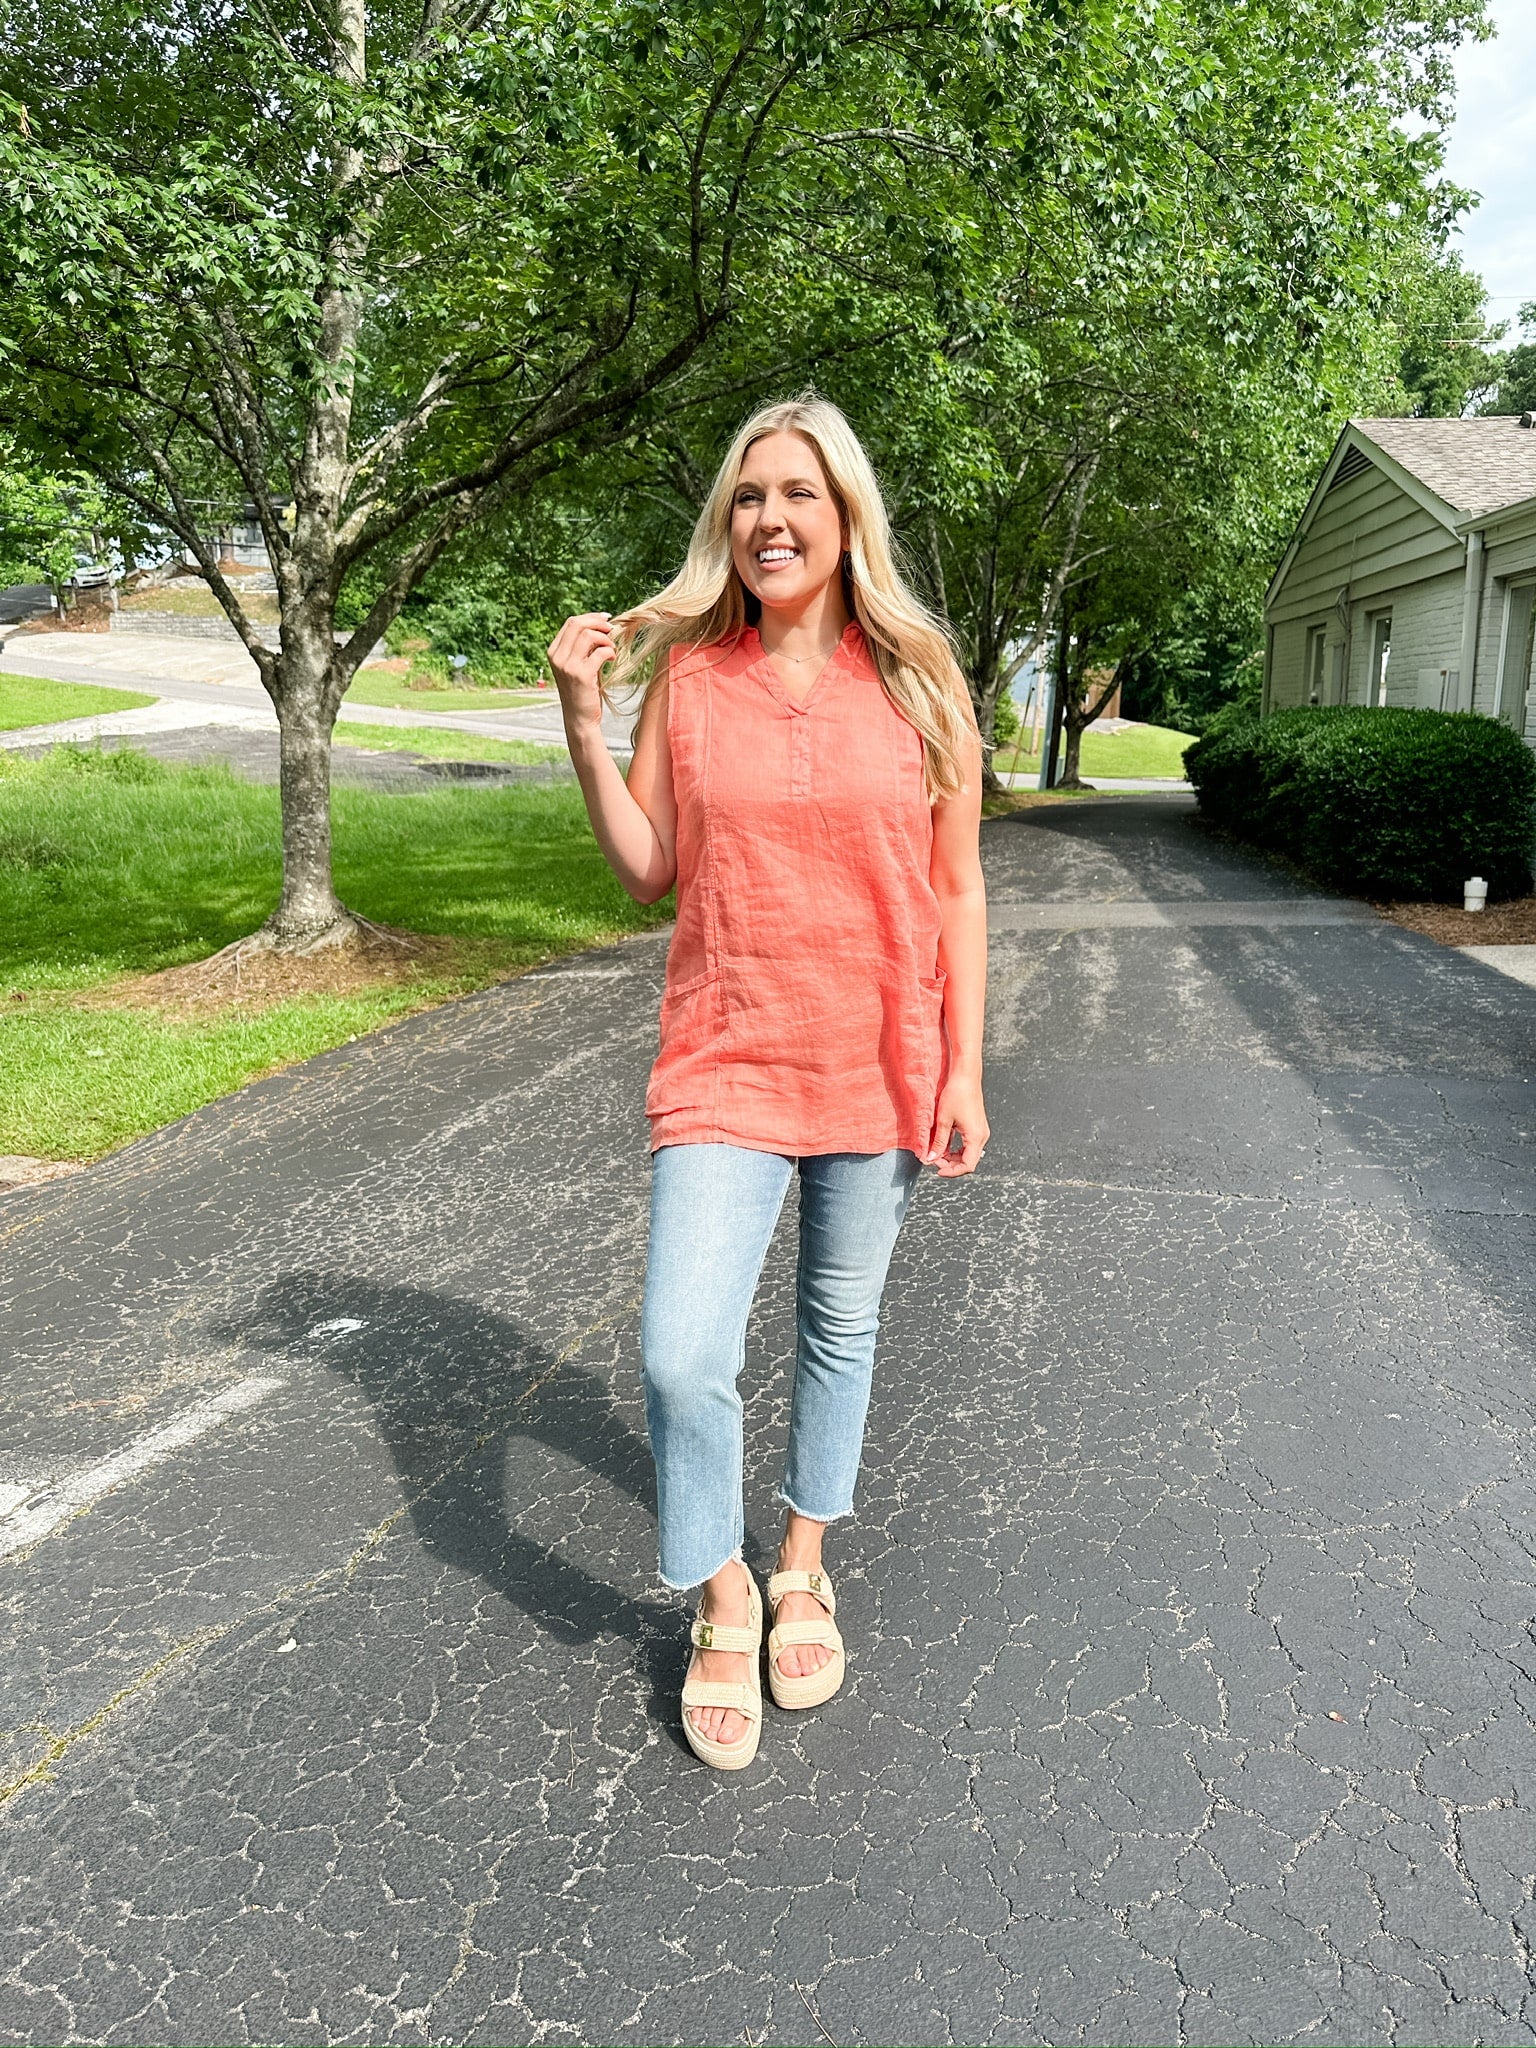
348, 933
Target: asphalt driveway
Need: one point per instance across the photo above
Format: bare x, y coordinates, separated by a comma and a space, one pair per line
1189, 1601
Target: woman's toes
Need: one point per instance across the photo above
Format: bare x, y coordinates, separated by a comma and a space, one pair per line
719, 1724
802, 1659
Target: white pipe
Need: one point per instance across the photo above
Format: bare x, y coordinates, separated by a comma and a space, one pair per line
1471, 615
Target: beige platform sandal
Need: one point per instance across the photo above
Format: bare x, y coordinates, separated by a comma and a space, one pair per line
818, 1686
744, 1695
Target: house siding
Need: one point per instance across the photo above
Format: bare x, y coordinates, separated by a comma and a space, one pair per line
1511, 557
1374, 545
1287, 683
1426, 637
1370, 535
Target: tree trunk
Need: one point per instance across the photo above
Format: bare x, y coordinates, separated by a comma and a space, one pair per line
1080, 714
1070, 779
305, 686
309, 915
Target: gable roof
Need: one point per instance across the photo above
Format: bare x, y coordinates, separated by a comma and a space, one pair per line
1457, 470
1473, 465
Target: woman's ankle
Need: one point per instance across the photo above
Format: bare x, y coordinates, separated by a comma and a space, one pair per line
800, 1544
730, 1586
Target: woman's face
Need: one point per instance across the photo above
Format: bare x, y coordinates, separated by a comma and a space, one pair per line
787, 533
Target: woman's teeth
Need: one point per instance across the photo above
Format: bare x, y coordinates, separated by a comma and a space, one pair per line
777, 554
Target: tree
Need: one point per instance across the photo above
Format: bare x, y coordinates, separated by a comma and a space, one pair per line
381, 269
1209, 654
1154, 388
45, 521
1449, 362
1517, 374
377, 270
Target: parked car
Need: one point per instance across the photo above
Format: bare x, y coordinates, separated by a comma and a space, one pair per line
89, 575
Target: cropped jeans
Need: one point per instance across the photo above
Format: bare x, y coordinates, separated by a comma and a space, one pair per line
713, 1211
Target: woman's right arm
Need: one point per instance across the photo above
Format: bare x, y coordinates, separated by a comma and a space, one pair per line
635, 822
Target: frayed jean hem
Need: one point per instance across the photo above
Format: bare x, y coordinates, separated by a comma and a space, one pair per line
687, 1585
795, 1508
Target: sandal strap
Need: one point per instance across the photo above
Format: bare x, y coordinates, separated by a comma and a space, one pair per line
714, 1692
817, 1584
719, 1635
788, 1633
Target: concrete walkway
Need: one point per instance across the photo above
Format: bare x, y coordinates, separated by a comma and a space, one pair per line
206, 682
1193, 1695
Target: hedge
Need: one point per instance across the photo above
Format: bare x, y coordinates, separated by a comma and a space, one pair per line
1383, 802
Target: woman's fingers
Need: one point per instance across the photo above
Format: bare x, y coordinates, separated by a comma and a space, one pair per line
968, 1158
581, 647
950, 1160
584, 627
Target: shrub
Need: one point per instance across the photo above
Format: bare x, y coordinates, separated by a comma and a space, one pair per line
1006, 721
116, 764
1389, 802
1234, 714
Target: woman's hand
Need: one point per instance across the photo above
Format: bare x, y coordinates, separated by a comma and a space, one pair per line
960, 1108
576, 655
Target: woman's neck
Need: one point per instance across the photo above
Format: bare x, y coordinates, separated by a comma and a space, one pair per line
814, 628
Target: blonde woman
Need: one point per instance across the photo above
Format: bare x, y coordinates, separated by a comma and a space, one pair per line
807, 773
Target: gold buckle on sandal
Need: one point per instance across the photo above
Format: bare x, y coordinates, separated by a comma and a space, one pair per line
706, 1635
814, 1579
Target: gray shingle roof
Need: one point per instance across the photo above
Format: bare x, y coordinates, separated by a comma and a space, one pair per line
1476, 465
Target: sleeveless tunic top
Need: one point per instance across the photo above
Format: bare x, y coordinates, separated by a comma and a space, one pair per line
802, 1011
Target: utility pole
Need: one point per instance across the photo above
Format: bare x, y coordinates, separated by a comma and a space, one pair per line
1055, 699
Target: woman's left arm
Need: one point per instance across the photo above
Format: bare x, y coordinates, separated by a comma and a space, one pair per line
955, 872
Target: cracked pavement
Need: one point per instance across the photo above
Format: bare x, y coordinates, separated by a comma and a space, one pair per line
1189, 1600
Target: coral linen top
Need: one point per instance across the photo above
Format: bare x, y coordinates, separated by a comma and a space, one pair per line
803, 1003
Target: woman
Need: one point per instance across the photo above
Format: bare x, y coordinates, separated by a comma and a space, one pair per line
807, 772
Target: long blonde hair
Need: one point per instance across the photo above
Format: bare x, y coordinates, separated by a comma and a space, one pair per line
706, 600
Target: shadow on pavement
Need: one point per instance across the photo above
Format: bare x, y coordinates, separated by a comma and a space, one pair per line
456, 1390
1412, 1067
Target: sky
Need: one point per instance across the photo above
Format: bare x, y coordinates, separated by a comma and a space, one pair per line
1492, 149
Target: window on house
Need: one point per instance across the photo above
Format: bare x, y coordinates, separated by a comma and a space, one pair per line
1381, 655
1317, 641
1515, 669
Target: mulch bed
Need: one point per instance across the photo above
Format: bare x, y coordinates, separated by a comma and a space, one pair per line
255, 978
1501, 924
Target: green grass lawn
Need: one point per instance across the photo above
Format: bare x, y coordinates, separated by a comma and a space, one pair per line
387, 690
112, 864
1143, 750
443, 745
33, 700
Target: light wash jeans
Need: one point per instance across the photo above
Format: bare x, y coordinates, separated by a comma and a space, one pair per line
713, 1210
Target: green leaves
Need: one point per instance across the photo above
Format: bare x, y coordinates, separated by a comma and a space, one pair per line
1392, 803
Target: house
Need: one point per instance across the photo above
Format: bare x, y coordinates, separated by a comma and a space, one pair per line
1411, 577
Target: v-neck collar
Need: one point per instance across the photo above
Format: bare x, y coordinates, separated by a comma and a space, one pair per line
774, 682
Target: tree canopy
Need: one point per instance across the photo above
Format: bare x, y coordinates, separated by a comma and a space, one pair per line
387, 274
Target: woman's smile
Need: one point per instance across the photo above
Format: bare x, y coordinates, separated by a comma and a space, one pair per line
787, 526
